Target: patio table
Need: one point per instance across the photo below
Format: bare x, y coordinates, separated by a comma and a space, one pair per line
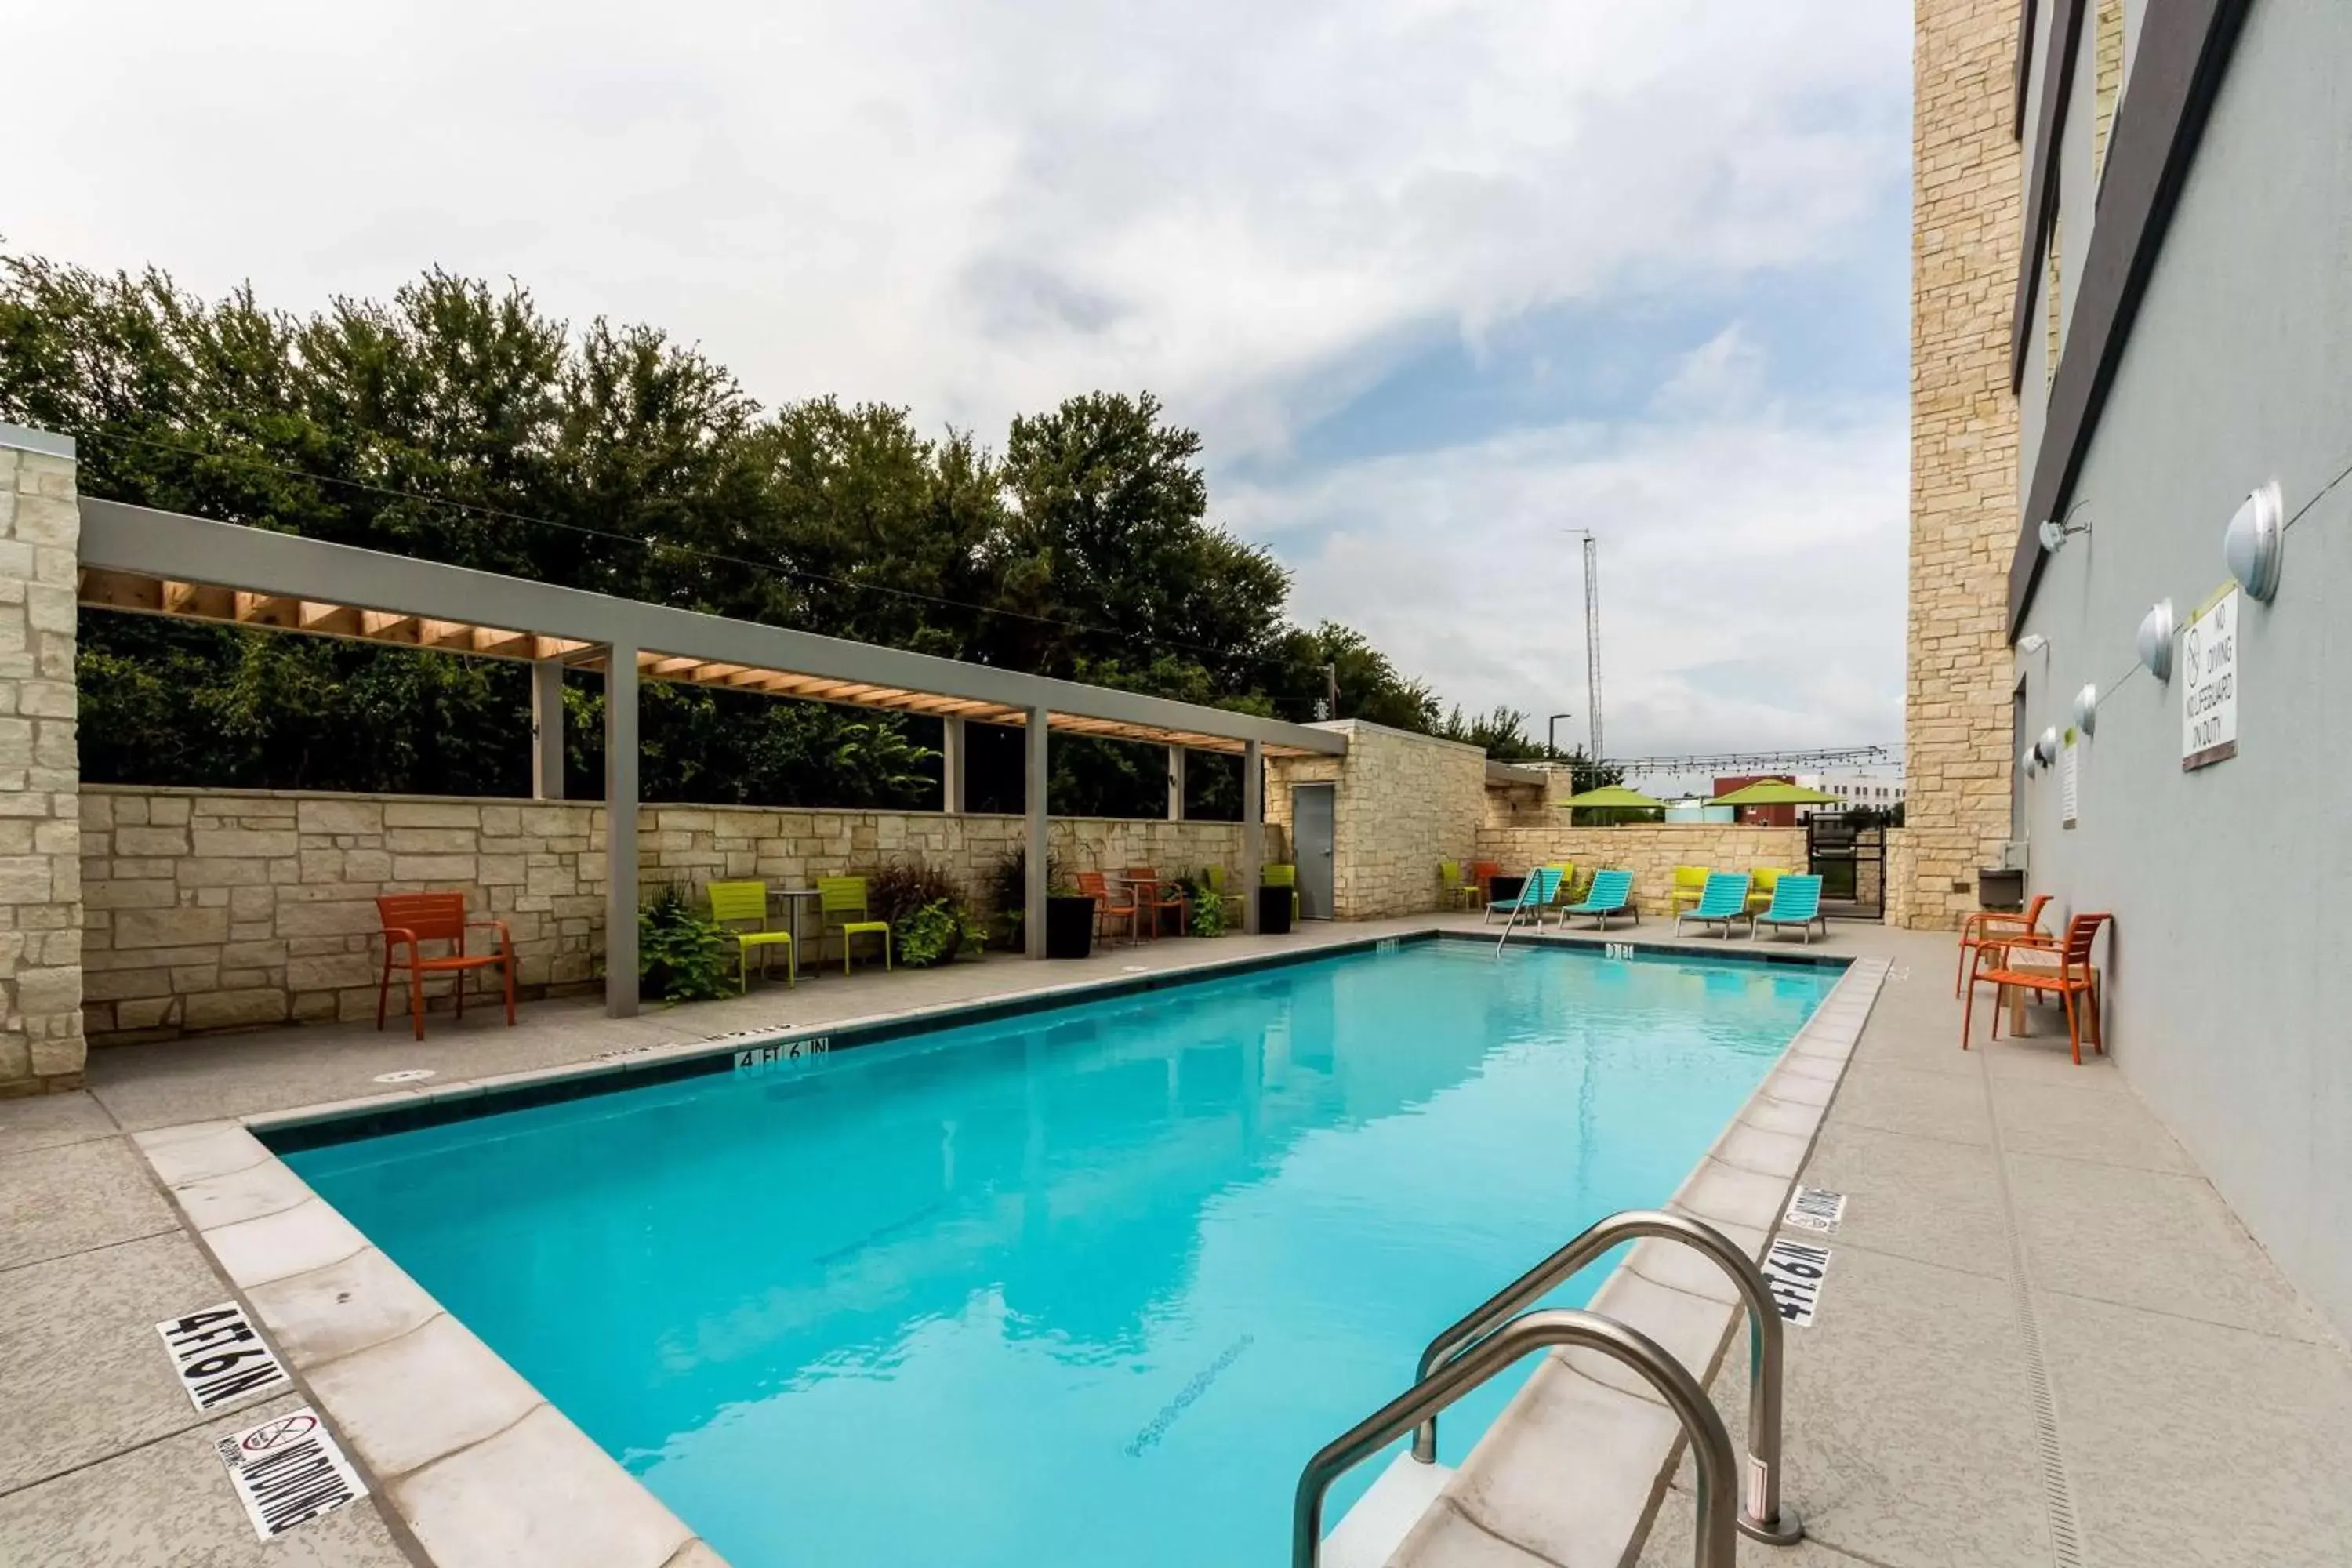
793, 898
1146, 892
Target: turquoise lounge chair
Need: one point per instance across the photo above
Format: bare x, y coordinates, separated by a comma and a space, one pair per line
1795, 901
1534, 895
1724, 901
1612, 893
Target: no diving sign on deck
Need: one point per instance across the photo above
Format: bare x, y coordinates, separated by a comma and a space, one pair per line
287, 1471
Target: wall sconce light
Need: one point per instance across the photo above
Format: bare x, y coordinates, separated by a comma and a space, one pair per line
2156, 630
2045, 749
2030, 762
2086, 710
2033, 642
2055, 533
2254, 545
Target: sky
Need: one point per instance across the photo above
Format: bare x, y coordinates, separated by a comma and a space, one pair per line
1440, 284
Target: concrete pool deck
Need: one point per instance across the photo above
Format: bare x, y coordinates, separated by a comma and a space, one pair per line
1996, 1200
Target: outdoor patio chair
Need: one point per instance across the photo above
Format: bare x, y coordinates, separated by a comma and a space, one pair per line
1998, 926
1795, 901
1723, 900
732, 903
1284, 875
1482, 877
1095, 886
1454, 890
1762, 882
1689, 887
1612, 893
1535, 895
1165, 894
2073, 976
411, 920
846, 896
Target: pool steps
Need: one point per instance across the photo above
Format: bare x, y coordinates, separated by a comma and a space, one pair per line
1380, 1520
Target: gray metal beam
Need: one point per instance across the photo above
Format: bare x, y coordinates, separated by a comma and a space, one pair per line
621, 833
1034, 779
1175, 783
547, 731
116, 537
1252, 832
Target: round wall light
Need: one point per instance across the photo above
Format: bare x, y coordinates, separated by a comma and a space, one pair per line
2086, 710
2045, 749
2254, 545
2155, 639
2027, 762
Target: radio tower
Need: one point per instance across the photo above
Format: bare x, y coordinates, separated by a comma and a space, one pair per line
1592, 634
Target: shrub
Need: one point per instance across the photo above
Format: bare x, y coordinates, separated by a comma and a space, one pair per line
1208, 905
1008, 891
899, 889
681, 952
936, 932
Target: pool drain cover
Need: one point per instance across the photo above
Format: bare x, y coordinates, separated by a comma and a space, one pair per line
404, 1075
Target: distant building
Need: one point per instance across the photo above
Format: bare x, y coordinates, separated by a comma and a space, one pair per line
1875, 791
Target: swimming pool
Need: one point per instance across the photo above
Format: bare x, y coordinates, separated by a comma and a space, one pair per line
1078, 1284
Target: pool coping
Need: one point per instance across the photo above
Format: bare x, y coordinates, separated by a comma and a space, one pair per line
1583, 1416
478, 1463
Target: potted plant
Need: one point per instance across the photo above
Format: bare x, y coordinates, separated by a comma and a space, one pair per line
1069, 923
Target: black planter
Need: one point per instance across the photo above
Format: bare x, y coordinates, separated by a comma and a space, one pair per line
1069, 927
1274, 906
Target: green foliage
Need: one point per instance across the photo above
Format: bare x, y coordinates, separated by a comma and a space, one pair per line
935, 933
1208, 905
612, 459
901, 888
681, 952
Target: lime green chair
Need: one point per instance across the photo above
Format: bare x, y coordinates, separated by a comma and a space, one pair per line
1455, 890
1285, 876
844, 897
731, 903
1762, 882
1690, 887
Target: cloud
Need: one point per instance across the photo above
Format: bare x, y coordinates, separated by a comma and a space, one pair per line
1280, 219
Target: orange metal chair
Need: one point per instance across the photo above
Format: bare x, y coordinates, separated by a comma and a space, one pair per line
1165, 896
1106, 906
1482, 877
1975, 929
411, 920
2073, 977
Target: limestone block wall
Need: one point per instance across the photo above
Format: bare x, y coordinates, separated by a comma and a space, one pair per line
41, 1041
1966, 201
1404, 802
212, 910
1649, 850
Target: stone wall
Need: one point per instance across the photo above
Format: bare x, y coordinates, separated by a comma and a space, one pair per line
1404, 802
1651, 851
212, 910
1965, 204
41, 1042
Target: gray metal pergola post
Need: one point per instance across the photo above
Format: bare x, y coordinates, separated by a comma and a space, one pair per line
1252, 830
547, 729
951, 766
621, 832
1175, 783
1032, 806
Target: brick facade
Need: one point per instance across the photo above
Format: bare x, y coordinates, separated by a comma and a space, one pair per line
213, 910
41, 1044
1964, 458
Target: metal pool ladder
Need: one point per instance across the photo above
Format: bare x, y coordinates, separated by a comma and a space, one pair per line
1495, 1334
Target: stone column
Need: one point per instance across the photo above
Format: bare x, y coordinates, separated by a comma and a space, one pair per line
41, 1044
1966, 224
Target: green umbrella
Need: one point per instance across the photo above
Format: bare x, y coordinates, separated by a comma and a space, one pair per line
1612, 796
1772, 791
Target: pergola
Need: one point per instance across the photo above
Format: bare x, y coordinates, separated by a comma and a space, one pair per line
167, 563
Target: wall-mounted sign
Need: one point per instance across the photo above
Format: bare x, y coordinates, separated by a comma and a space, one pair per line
2069, 779
2208, 696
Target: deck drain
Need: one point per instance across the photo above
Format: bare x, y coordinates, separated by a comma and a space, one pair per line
404, 1075
2057, 1493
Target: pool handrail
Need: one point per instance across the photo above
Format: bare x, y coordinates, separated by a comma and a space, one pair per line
1715, 1543
1761, 1515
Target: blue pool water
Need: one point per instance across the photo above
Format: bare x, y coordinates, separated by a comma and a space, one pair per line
1077, 1287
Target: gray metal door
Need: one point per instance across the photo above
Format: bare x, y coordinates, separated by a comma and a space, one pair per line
1310, 840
